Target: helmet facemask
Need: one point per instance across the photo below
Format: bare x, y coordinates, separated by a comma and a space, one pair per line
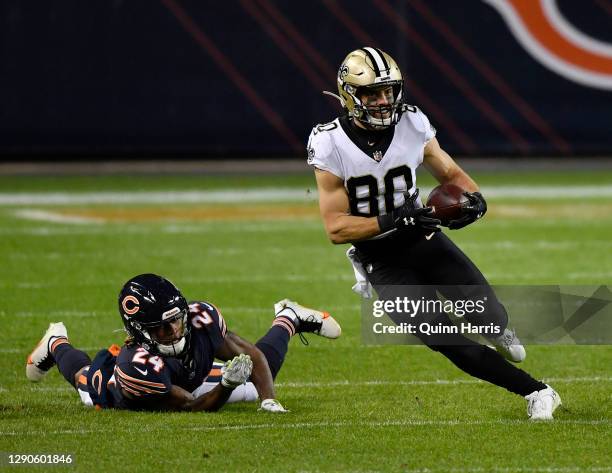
176, 346
378, 117
147, 336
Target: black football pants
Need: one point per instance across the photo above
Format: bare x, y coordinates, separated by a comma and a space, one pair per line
414, 267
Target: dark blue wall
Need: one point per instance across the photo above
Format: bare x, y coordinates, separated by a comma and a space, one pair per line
243, 78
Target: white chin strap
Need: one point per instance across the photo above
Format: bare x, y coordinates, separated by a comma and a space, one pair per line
173, 349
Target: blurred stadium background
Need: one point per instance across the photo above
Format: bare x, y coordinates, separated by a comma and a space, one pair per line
169, 136
244, 78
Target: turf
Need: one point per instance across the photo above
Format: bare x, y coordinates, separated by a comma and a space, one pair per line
354, 408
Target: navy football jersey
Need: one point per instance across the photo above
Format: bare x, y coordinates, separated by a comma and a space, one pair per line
144, 375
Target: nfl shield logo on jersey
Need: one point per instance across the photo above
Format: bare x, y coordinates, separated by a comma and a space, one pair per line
377, 155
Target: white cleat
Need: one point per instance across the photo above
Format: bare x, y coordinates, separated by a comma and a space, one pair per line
308, 320
541, 404
41, 360
509, 346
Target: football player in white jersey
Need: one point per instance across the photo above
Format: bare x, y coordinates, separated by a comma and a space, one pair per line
365, 162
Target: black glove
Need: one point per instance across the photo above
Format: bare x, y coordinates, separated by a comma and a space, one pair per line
472, 212
409, 216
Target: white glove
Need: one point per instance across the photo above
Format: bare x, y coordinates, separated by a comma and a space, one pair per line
236, 371
272, 405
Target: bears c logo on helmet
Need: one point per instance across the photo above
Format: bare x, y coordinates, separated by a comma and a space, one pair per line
132, 308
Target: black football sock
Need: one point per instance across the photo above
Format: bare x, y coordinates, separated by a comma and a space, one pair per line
484, 363
69, 360
274, 345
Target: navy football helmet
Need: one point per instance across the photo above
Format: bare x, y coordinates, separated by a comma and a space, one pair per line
147, 303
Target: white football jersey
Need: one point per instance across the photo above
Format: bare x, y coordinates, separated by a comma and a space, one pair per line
375, 182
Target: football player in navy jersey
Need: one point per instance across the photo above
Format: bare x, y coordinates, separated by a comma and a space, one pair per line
365, 165
167, 361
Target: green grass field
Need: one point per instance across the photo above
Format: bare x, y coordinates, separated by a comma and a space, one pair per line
353, 408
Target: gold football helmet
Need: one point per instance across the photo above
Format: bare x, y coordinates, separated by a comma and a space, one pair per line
369, 69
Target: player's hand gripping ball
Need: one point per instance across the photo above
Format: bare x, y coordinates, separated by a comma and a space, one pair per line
455, 207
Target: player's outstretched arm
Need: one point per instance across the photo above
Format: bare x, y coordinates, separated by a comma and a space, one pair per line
444, 168
261, 376
177, 399
235, 373
334, 207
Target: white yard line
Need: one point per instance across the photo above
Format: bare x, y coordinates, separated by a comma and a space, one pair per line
212, 280
82, 313
436, 382
416, 382
59, 313
602, 275
308, 425
55, 217
547, 192
157, 197
27, 350
537, 244
267, 195
68, 313
187, 229
510, 245
535, 278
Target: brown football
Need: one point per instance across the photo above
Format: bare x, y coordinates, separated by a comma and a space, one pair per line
447, 201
